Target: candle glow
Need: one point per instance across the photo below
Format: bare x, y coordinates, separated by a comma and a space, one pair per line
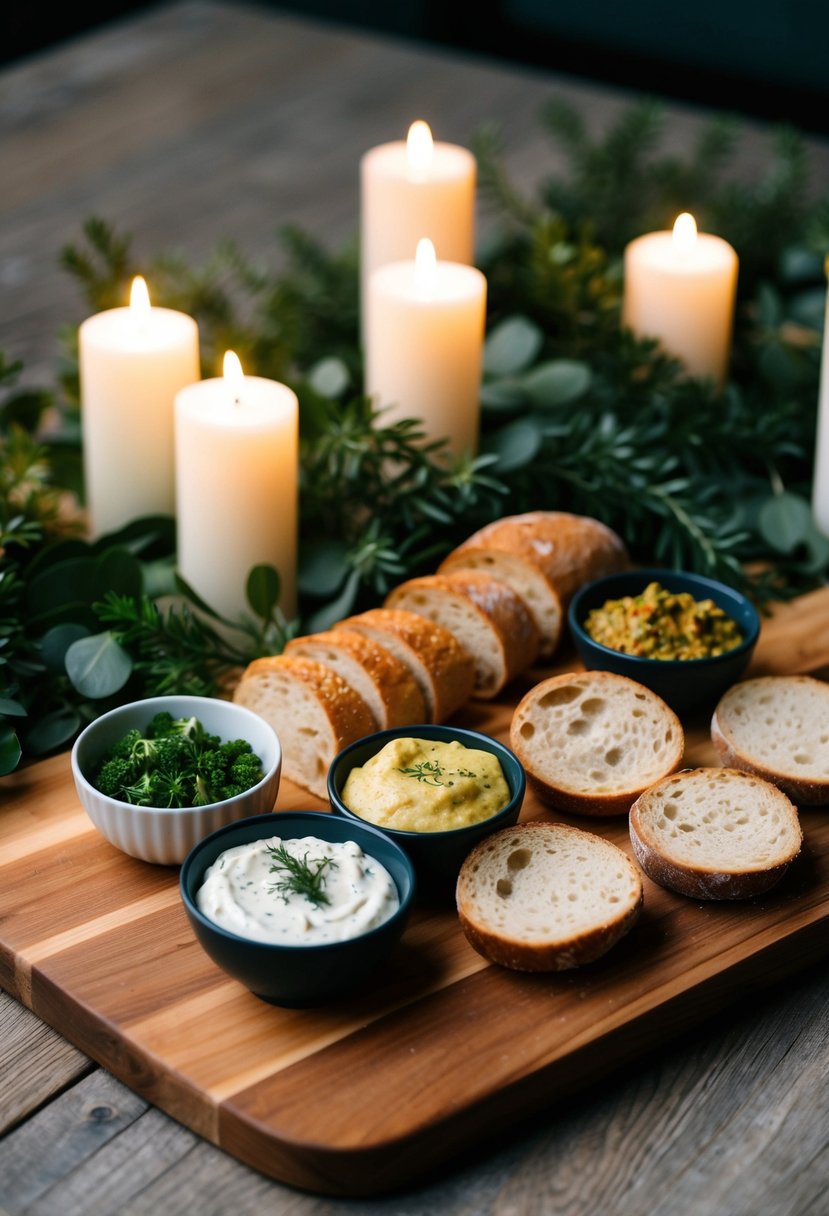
684, 239
420, 148
140, 303
425, 269
233, 375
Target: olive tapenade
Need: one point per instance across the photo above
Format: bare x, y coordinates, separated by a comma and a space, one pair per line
662, 624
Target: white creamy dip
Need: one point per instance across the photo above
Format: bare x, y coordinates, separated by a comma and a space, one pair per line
247, 890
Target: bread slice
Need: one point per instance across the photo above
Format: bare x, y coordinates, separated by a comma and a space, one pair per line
546, 897
778, 728
313, 710
442, 668
385, 683
545, 556
489, 619
715, 833
592, 741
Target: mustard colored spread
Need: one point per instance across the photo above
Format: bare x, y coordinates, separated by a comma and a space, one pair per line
661, 624
422, 785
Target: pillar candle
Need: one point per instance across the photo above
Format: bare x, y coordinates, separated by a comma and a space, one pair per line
410, 189
236, 446
820, 491
424, 345
680, 288
132, 362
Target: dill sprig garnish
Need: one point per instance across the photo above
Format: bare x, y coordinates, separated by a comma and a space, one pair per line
431, 772
297, 877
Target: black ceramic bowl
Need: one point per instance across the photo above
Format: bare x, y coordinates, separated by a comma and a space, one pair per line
685, 684
437, 856
298, 976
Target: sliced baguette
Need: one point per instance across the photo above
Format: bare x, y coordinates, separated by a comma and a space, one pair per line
778, 728
545, 556
442, 668
385, 683
313, 710
546, 897
715, 833
489, 619
592, 741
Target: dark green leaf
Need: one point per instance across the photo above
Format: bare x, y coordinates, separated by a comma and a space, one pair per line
330, 614
12, 709
53, 731
263, 589
515, 445
511, 346
503, 396
117, 570
57, 641
10, 750
323, 566
559, 382
785, 521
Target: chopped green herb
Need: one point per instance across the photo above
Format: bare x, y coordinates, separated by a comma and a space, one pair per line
297, 877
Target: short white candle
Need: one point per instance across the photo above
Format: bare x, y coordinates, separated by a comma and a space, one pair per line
132, 362
237, 440
820, 491
680, 288
424, 346
410, 189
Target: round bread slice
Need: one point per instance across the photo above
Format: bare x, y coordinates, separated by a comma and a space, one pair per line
545, 556
489, 619
778, 728
442, 668
546, 897
385, 683
313, 710
592, 741
715, 833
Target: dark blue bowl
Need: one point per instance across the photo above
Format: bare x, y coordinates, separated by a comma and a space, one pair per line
298, 976
437, 856
687, 685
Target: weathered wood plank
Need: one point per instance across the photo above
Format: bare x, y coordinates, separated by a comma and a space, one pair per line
35, 1063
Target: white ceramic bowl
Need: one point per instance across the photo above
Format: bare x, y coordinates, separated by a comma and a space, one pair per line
166, 835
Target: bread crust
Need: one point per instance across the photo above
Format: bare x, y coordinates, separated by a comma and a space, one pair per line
567, 550
347, 716
705, 882
396, 698
806, 791
570, 949
593, 803
502, 614
437, 659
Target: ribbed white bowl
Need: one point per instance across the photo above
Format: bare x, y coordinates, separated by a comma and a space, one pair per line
165, 835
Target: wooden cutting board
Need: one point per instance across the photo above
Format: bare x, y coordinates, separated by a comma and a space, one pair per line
443, 1050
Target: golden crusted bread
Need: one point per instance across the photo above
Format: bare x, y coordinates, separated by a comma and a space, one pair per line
778, 728
487, 617
545, 556
442, 668
592, 741
385, 683
313, 710
546, 897
715, 833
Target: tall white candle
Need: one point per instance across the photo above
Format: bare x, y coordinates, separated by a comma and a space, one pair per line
132, 362
424, 345
680, 288
237, 440
410, 189
820, 490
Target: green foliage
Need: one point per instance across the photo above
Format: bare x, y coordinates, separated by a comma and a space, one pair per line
577, 415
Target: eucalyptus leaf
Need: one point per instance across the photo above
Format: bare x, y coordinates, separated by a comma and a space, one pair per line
56, 642
68, 582
323, 567
785, 521
330, 377
98, 666
12, 708
515, 445
117, 570
337, 609
53, 730
503, 396
263, 589
558, 382
10, 750
158, 578
510, 346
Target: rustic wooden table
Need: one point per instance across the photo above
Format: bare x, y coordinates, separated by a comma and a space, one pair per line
199, 121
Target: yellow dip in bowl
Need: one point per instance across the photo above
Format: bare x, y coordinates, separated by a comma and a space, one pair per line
423, 785
662, 624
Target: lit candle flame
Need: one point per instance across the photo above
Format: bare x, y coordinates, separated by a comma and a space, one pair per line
419, 147
684, 235
425, 269
139, 302
234, 376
